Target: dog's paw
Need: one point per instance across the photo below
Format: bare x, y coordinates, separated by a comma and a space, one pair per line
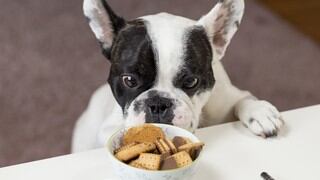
261, 117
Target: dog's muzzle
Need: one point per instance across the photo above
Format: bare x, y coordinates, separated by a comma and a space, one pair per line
159, 110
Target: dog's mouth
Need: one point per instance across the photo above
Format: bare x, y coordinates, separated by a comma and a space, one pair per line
154, 106
181, 117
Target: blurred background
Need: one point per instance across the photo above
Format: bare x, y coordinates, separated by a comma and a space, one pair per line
50, 63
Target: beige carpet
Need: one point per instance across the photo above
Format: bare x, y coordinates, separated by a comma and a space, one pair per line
50, 64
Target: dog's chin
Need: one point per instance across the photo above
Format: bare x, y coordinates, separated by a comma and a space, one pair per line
135, 119
186, 114
182, 120
185, 120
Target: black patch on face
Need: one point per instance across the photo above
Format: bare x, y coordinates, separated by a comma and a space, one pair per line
138, 106
197, 62
132, 54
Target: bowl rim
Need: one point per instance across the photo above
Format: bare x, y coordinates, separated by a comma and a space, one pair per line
108, 146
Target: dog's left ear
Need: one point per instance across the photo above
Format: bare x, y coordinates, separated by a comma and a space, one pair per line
104, 23
221, 23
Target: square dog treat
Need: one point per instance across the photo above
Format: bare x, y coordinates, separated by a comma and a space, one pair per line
179, 141
136, 164
169, 163
149, 161
125, 147
195, 152
134, 151
177, 160
193, 149
182, 158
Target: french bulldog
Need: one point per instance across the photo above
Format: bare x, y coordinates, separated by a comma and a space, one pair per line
167, 69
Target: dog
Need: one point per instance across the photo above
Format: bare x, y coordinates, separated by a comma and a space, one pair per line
167, 69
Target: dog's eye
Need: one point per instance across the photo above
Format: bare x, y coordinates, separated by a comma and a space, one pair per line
190, 82
129, 81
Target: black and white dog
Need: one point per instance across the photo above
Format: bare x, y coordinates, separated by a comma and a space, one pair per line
167, 69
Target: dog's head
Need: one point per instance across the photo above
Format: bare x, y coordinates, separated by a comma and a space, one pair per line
161, 65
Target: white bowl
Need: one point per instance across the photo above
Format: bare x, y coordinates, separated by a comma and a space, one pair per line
126, 172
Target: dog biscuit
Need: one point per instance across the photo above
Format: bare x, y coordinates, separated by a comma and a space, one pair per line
189, 146
149, 161
172, 147
136, 164
179, 141
162, 146
169, 163
144, 133
125, 147
182, 159
134, 151
193, 149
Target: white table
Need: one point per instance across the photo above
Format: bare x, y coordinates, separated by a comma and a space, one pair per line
231, 153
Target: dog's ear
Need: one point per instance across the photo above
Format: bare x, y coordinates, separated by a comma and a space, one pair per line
221, 23
104, 23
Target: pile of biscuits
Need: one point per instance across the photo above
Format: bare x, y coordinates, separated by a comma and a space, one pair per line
147, 147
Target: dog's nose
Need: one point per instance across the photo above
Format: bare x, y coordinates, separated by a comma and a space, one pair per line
159, 110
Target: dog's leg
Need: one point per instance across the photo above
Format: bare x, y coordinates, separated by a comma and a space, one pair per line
228, 103
261, 117
101, 106
83, 135
110, 125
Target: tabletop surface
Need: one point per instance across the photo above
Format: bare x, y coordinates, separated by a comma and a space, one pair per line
231, 152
